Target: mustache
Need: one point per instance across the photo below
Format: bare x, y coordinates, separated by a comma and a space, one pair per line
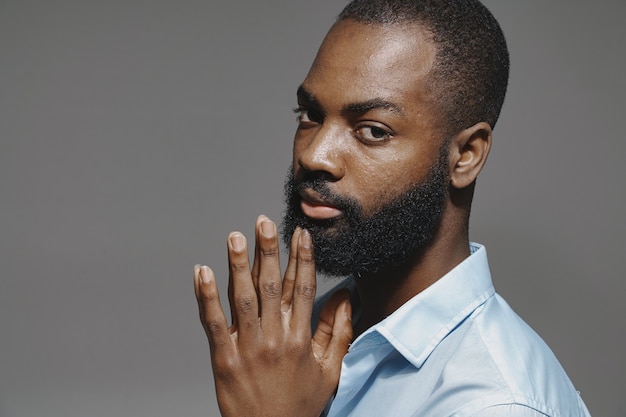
321, 186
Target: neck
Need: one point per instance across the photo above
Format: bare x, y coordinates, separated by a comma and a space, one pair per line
383, 293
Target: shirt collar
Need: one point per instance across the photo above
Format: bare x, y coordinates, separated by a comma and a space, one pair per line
419, 325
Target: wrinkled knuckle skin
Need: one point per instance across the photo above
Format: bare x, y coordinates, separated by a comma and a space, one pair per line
239, 266
244, 304
270, 251
306, 291
271, 289
325, 327
306, 257
213, 326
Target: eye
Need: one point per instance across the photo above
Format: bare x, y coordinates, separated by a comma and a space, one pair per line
307, 115
370, 133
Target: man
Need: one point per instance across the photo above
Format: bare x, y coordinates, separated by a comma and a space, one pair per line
395, 124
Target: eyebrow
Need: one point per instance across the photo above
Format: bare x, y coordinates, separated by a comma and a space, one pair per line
375, 103
307, 97
353, 108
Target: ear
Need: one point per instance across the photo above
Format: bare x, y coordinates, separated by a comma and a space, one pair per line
468, 153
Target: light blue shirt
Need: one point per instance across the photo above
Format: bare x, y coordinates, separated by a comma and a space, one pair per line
455, 349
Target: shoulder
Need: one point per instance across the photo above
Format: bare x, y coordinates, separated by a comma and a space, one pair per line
497, 348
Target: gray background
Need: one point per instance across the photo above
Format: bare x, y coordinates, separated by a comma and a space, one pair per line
135, 134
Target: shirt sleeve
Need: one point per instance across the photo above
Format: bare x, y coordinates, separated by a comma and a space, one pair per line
509, 410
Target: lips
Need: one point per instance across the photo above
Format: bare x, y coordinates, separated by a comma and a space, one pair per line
314, 206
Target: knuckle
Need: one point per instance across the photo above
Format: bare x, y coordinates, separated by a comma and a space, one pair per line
225, 368
239, 266
306, 290
271, 351
208, 294
297, 344
244, 304
324, 327
213, 326
270, 251
271, 289
306, 257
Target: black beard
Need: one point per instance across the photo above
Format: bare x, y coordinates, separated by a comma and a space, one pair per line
357, 244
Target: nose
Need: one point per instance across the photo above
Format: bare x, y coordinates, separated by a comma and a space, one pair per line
321, 151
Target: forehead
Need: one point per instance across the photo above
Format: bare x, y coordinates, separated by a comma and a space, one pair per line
381, 60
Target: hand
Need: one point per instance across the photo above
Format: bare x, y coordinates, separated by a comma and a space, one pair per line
266, 363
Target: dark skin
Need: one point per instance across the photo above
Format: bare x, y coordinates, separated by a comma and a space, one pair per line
369, 125
267, 363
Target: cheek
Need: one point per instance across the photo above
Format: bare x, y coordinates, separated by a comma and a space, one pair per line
381, 179
375, 184
386, 172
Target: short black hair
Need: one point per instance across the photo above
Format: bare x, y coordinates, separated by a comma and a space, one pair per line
471, 69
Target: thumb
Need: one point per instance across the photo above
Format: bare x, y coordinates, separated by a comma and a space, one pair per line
334, 330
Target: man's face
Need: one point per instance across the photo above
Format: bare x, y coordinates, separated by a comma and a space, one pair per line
370, 173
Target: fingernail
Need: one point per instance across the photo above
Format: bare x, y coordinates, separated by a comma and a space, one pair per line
237, 241
305, 239
268, 228
204, 273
